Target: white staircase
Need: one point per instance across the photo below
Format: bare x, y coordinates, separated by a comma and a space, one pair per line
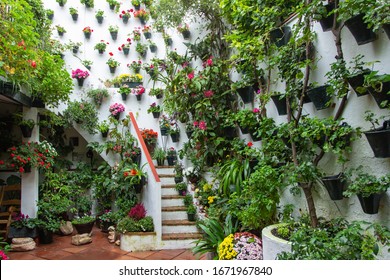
177, 231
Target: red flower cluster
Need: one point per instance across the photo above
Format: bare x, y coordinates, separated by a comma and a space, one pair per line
138, 212
149, 135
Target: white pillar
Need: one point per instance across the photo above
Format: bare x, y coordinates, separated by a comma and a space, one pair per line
30, 180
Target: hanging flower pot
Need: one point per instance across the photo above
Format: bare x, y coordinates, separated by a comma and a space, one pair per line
75, 17
379, 140
124, 96
246, 94
357, 81
112, 69
87, 35
164, 131
386, 28
80, 81
147, 35
360, 30
99, 19
230, 132
175, 137
327, 21
280, 104
114, 35
112, 6
319, 97
138, 187
105, 134
153, 48
125, 19
26, 130
186, 34
370, 204
139, 97
156, 115
334, 185
75, 49
381, 95
126, 51
280, 36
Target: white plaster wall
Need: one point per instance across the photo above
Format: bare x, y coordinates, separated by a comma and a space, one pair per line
325, 50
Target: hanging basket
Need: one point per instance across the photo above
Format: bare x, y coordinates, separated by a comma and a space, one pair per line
360, 30
357, 81
370, 204
125, 19
327, 22
280, 36
379, 140
112, 69
124, 96
26, 130
126, 51
156, 115
87, 35
164, 131
175, 137
334, 185
319, 97
75, 17
147, 35
280, 104
246, 94
114, 35
139, 97
80, 82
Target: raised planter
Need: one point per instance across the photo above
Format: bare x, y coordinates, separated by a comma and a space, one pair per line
273, 245
84, 228
379, 140
138, 241
359, 30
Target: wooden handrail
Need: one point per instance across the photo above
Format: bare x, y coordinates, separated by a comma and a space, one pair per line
143, 145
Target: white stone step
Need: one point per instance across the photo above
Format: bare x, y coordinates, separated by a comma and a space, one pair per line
165, 170
168, 191
178, 201
167, 180
177, 215
180, 229
177, 244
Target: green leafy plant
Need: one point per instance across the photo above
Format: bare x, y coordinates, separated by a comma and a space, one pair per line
98, 95
104, 126
366, 184
191, 209
112, 62
73, 11
101, 46
88, 3
128, 224
86, 219
82, 112
182, 186
188, 199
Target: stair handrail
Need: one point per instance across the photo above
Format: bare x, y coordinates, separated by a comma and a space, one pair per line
144, 148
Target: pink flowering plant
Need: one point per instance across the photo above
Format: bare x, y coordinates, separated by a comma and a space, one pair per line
116, 109
20, 221
4, 248
79, 74
135, 65
241, 246
139, 90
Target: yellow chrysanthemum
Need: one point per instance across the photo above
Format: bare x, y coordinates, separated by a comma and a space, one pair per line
211, 199
225, 249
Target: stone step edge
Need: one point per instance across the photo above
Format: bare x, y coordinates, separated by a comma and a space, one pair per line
181, 236
168, 186
172, 196
166, 175
164, 167
174, 209
178, 223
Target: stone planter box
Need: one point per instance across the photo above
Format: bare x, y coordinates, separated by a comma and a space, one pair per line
273, 245
138, 241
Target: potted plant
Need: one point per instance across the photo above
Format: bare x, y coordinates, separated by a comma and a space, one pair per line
74, 46
137, 34
178, 169
124, 90
98, 95
378, 137
26, 125
335, 185
141, 49
83, 113
116, 109
368, 188
188, 200
107, 219
181, 188
88, 3
99, 15
135, 66
87, 32
378, 86
136, 4
152, 46
138, 91
125, 47
113, 29
135, 176
87, 63
155, 109
47, 226
174, 131
50, 14
165, 124
167, 39
113, 4
191, 212
159, 155
61, 2
74, 13
184, 29
61, 30
104, 127
320, 96
125, 15
101, 46
112, 64
137, 230
142, 15
84, 224
150, 138
146, 30
171, 156
22, 226
157, 92
80, 76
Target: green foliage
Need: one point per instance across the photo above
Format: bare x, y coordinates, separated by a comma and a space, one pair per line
231, 176
82, 112
83, 220
366, 184
98, 95
128, 224
182, 186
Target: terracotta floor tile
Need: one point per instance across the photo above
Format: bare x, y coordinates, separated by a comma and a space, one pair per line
125, 257
159, 256
58, 255
93, 254
141, 255
23, 256
174, 253
75, 249
186, 255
